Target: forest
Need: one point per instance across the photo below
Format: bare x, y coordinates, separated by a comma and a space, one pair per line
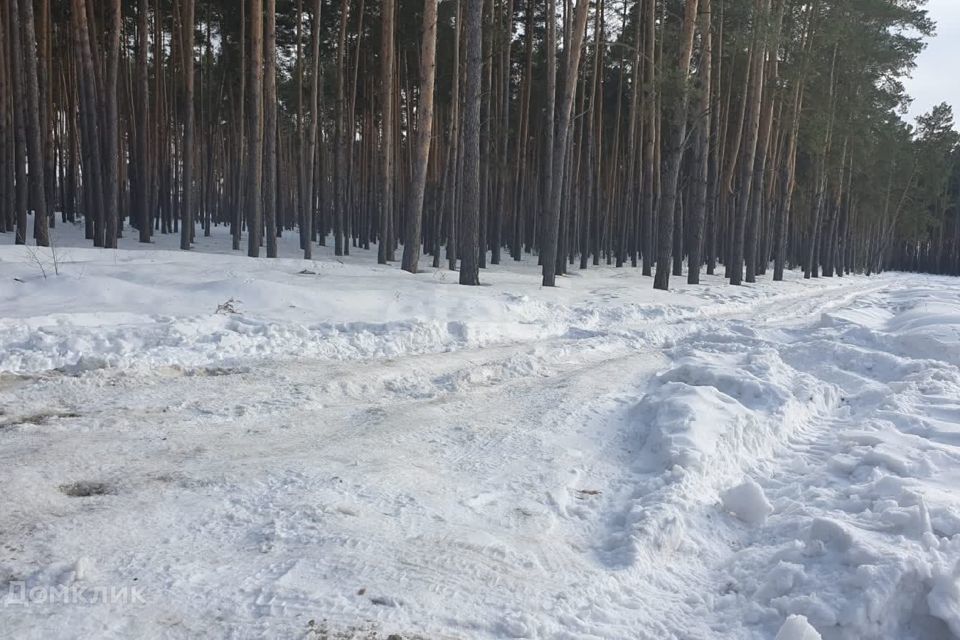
479, 319
739, 135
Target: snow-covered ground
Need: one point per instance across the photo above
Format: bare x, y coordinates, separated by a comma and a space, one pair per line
199, 444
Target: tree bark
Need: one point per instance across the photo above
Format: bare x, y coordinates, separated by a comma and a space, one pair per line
343, 137
702, 168
270, 128
111, 187
19, 125
470, 222
754, 99
552, 222
186, 56
32, 117
387, 62
255, 132
677, 122
307, 209
649, 135
411, 245
142, 171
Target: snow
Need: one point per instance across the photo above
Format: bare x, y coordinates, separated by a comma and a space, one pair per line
199, 444
797, 628
944, 600
747, 502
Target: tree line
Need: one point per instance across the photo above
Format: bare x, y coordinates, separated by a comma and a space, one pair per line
740, 135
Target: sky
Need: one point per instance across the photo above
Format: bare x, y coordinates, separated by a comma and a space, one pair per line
936, 78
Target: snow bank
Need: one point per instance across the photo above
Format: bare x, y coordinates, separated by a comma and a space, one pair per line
866, 545
854, 532
138, 307
944, 599
920, 323
599, 460
797, 628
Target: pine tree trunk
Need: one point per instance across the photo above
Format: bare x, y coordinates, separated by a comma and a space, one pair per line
7, 213
270, 128
142, 171
452, 172
18, 105
387, 63
649, 136
503, 170
186, 56
811, 265
754, 252
551, 222
111, 187
411, 245
35, 156
470, 219
627, 217
677, 122
749, 151
309, 157
343, 138
702, 165
47, 116
255, 132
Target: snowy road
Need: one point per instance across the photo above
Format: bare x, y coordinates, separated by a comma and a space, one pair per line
602, 461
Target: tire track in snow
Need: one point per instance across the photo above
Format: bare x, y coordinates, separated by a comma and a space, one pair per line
498, 443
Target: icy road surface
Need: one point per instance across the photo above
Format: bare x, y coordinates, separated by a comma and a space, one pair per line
358, 452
